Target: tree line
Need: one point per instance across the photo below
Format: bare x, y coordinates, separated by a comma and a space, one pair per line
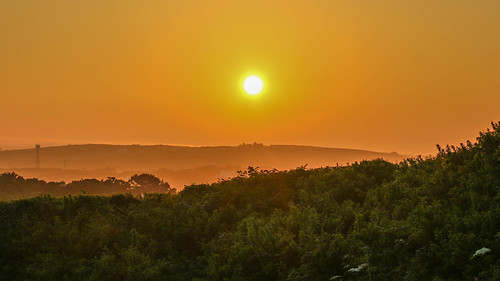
13, 186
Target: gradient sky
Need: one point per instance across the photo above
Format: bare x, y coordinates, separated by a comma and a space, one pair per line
379, 75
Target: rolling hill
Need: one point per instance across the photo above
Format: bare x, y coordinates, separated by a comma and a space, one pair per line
179, 165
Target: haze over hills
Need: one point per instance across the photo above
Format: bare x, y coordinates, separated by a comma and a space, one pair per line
178, 165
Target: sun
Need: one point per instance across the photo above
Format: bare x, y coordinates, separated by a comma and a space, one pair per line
253, 85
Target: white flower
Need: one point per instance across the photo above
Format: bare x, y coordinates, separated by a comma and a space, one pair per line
359, 268
481, 252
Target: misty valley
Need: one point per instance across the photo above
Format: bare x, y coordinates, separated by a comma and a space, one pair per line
177, 165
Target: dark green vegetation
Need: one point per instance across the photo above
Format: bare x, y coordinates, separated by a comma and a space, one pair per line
422, 219
13, 186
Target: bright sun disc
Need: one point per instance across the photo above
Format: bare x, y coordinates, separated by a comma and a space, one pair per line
253, 85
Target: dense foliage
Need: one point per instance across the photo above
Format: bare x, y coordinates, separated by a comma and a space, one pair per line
422, 219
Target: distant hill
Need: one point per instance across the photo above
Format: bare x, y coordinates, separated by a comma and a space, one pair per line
150, 157
178, 165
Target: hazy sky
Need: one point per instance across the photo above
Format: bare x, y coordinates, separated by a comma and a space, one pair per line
379, 75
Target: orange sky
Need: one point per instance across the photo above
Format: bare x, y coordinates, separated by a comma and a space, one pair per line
377, 75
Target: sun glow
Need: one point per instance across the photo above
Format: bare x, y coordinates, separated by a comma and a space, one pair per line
253, 85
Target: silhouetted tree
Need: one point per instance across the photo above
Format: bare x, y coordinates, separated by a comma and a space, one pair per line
145, 180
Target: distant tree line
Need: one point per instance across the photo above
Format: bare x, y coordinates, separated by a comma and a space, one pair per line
13, 186
422, 219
